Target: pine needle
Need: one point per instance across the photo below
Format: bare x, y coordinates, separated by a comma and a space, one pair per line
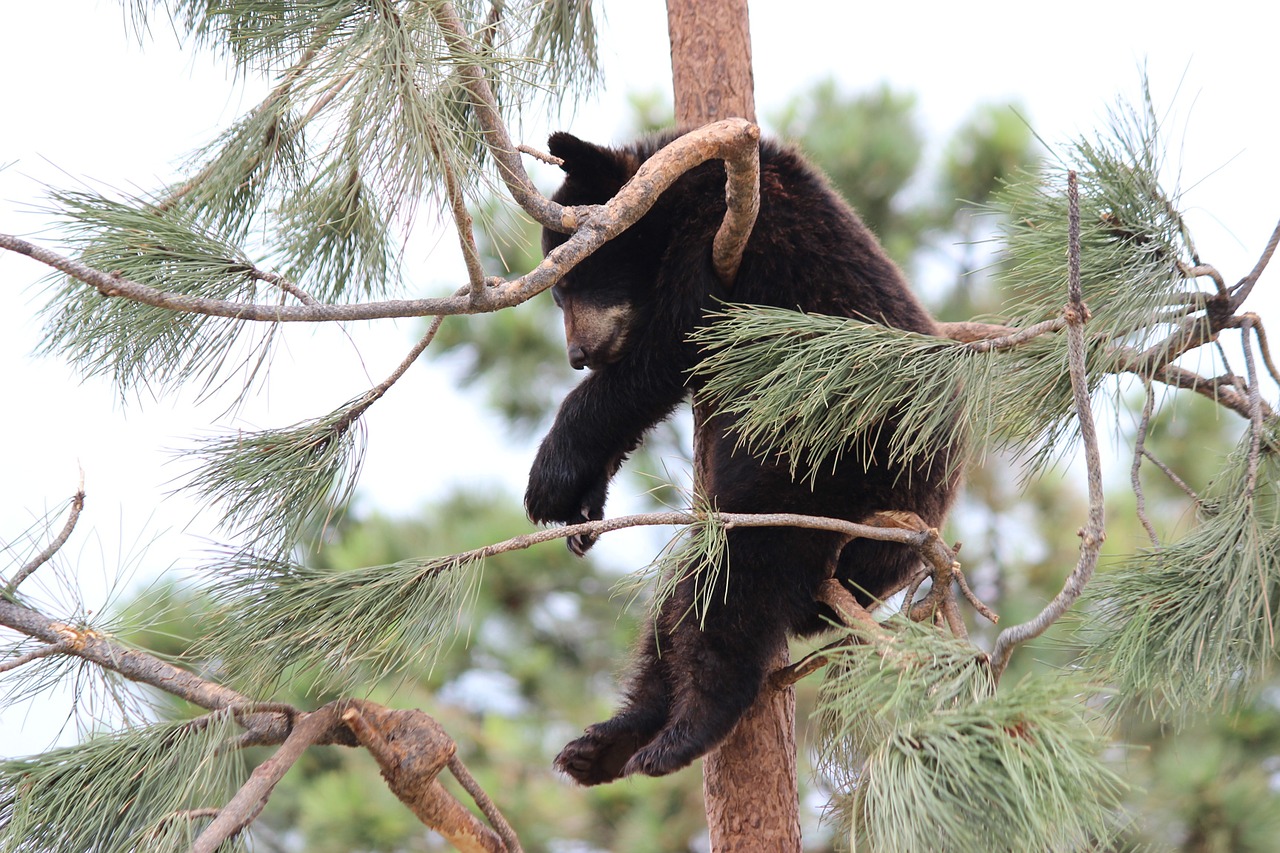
926, 756
1193, 627
140, 346
120, 793
342, 629
275, 485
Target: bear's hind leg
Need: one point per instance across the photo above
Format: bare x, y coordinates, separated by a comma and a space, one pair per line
603, 751
718, 663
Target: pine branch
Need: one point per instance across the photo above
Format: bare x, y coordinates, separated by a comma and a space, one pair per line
1093, 534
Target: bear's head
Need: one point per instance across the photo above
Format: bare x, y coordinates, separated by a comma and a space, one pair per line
603, 295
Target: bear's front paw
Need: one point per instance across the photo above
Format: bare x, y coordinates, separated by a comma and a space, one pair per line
564, 494
599, 755
558, 491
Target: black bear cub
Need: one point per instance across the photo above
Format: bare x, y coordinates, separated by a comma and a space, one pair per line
628, 312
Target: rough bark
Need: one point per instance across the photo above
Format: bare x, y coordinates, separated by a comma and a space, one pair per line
752, 798
710, 60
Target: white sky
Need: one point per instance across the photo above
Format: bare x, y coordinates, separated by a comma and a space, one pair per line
81, 101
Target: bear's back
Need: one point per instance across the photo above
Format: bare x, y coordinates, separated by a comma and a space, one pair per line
808, 251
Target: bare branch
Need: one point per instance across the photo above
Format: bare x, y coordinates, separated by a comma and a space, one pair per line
715, 141
742, 201
549, 159
1220, 389
1255, 410
249, 801
485, 803
132, 664
1261, 334
1205, 270
77, 504
412, 749
43, 652
285, 285
1008, 338
496, 138
1093, 533
1169, 472
1139, 447
977, 603
1240, 292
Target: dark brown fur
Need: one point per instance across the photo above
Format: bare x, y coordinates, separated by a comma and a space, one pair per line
808, 252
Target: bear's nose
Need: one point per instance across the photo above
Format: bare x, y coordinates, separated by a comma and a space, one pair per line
577, 357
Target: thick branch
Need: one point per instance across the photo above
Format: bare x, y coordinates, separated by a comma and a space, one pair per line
742, 199
1094, 532
411, 749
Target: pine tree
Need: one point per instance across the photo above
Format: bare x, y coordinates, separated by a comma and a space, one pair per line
297, 214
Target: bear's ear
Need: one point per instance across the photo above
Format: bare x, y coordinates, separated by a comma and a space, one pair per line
590, 163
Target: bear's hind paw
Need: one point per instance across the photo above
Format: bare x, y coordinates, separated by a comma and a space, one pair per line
662, 756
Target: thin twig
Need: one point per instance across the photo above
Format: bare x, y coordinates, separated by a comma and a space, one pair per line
285, 285
376, 393
974, 601
485, 803
910, 597
1139, 446
1240, 292
496, 138
1255, 409
1093, 533
1205, 270
1013, 339
1172, 475
1261, 334
809, 664
42, 652
549, 159
77, 504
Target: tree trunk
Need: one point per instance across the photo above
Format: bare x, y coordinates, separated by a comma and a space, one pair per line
752, 799
710, 61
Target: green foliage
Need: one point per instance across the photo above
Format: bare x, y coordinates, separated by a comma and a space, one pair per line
274, 484
341, 629
1132, 239
985, 153
137, 345
121, 792
698, 554
1192, 626
926, 755
816, 388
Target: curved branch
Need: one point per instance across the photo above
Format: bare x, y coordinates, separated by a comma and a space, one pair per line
1240, 292
504, 152
1093, 533
249, 801
77, 504
742, 200
715, 141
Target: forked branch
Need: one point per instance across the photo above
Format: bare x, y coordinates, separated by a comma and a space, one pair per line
1093, 533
